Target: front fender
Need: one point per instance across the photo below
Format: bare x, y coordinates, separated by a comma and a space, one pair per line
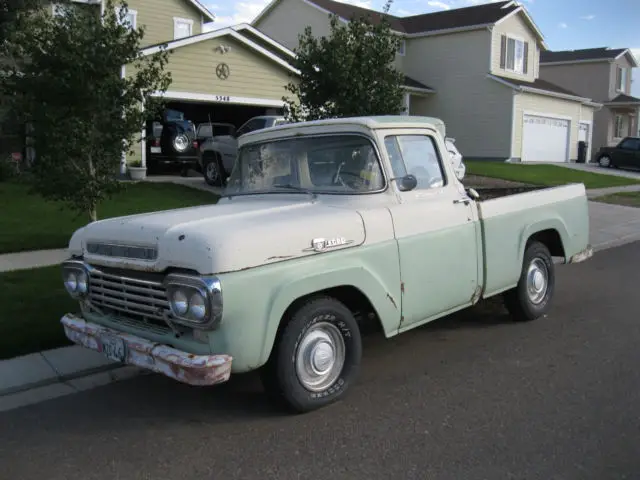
386, 301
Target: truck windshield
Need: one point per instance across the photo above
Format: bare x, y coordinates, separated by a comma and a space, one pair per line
334, 164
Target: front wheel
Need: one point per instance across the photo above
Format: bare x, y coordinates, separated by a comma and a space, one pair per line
531, 298
605, 161
316, 357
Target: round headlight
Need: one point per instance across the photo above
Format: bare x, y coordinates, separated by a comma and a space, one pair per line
82, 283
197, 306
71, 282
180, 303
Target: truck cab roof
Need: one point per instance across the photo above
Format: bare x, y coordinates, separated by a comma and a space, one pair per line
370, 122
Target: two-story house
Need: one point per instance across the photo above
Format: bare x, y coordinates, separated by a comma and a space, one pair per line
603, 74
230, 74
481, 62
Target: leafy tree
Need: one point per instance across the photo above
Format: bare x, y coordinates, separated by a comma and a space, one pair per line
82, 112
348, 73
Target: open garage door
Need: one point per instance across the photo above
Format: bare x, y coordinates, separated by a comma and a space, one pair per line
545, 139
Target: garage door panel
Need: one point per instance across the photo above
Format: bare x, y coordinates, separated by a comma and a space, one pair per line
545, 138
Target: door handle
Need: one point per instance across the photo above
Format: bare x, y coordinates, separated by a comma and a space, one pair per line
462, 200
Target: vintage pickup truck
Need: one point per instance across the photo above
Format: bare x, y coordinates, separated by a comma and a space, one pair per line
323, 225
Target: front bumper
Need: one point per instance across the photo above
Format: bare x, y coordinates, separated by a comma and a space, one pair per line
585, 254
199, 370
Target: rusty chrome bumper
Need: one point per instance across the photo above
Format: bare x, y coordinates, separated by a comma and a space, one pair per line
199, 370
585, 254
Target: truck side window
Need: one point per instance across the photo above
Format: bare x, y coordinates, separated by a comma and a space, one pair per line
416, 155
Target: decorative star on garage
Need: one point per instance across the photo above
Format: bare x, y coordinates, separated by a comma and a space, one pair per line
222, 71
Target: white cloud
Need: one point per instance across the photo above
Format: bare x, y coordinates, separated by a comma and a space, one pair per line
588, 17
563, 25
243, 12
358, 3
636, 53
437, 4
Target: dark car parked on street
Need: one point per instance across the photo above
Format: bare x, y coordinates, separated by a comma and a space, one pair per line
626, 154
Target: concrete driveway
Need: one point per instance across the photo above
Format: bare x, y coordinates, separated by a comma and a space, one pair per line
595, 168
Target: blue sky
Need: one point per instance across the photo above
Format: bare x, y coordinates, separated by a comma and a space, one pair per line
566, 24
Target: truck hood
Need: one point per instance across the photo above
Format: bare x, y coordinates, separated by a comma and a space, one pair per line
232, 235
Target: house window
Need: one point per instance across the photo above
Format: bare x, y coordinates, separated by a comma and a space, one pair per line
618, 127
182, 27
402, 47
514, 54
131, 18
58, 10
621, 79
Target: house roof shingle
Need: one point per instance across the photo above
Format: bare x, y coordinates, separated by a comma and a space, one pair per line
622, 98
410, 82
540, 85
455, 18
602, 53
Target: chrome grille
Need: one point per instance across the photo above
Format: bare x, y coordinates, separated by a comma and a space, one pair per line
130, 297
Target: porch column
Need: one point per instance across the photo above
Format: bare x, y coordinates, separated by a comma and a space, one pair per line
407, 103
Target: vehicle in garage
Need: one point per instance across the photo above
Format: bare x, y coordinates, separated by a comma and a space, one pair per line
217, 155
321, 227
625, 154
172, 142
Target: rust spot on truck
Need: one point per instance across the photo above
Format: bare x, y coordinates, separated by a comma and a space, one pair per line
278, 257
392, 301
475, 296
402, 287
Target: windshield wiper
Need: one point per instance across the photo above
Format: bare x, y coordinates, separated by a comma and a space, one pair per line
295, 187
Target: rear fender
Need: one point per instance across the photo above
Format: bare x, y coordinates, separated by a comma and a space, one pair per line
554, 223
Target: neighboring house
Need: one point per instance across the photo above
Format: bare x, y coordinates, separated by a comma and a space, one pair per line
230, 74
482, 64
602, 74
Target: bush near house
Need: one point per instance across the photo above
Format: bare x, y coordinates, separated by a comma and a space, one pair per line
28, 222
548, 175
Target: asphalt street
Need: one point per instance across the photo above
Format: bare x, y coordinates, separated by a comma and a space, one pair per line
471, 396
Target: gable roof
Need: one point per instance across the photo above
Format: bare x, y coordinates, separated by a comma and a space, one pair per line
235, 33
467, 18
624, 99
586, 55
203, 9
542, 87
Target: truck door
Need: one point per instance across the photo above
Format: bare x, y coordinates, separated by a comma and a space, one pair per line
436, 227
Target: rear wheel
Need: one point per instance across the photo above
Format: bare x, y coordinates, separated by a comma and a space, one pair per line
531, 298
316, 357
213, 171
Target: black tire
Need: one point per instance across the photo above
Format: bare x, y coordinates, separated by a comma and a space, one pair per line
522, 303
210, 164
279, 376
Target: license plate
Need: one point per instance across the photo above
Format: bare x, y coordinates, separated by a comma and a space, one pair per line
156, 149
113, 348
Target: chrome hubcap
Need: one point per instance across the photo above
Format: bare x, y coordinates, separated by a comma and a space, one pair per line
320, 357
604, 161
537, 280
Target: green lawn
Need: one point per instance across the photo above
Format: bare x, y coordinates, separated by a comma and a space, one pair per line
548, 175
33, 302
629, 199
28, 222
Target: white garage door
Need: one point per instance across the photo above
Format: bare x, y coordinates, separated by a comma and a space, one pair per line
545, 139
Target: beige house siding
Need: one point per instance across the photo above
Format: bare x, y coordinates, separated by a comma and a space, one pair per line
473, 107
515, 26
157, 17
551, 106
193, 69
285, 21
588, 79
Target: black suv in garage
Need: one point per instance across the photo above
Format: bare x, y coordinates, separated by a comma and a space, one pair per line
172, 142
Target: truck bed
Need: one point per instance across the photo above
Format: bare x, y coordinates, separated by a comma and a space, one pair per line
490, 193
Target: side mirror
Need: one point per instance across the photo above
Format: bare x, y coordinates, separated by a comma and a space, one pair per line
473, 193
406, 183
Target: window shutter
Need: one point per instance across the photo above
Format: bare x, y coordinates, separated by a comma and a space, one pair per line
525, 59
503, 51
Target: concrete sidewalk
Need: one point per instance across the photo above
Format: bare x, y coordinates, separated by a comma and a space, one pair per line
32, 259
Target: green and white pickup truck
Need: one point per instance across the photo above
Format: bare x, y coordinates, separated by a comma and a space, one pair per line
323, 225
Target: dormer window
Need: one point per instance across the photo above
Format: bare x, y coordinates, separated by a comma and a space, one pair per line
514, 54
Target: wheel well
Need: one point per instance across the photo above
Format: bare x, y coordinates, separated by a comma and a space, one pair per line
352, 298
551, 239
210, 153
